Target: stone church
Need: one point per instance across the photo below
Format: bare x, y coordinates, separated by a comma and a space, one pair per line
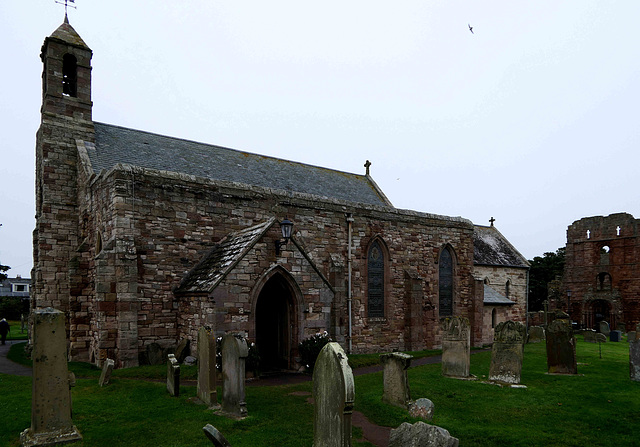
601, 280
142, 239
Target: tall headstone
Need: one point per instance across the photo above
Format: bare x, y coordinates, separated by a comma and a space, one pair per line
561, 348
207, 392
333, 394
507, 352
456, 347
603, 327
107, 369
421, 434
234, 355
50, 400
536, 334
631, 335
396, 383
634, 355
173, 375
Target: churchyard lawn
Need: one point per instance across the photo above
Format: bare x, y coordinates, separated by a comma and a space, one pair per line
15, 333
599, 407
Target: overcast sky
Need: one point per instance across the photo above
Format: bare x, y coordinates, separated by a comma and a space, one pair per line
532, 118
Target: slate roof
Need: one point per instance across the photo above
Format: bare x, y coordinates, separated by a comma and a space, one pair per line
66, 33
490, 247
493, 297
222, 258
116, 144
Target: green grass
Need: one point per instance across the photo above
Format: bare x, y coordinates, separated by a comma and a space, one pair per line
15, 332
600, 407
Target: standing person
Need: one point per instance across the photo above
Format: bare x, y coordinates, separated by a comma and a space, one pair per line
4, 330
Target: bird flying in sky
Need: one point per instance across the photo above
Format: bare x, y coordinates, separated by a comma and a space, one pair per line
471, 29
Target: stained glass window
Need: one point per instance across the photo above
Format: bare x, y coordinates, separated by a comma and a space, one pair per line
375, 271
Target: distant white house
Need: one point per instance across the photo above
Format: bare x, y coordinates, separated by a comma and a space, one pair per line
15, 287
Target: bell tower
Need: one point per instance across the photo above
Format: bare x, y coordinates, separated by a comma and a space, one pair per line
65, 119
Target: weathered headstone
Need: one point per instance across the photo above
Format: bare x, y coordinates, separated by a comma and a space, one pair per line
182, 351
507, 352
333, 394
456, 347
561, 348
215, 436
51, 399
107, 369
421, 409
589, 335
603, 327
173, 375
601, 338
634, 355
536, 334
421, 434
396, 383
155, 354
234, 356
615, 336
631, 335
207, 392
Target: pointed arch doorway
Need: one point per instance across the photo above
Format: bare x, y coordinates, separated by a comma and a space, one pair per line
276, 324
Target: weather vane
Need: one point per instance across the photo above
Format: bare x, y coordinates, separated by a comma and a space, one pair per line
66, 5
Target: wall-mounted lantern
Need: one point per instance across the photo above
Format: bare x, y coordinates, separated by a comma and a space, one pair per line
285, 227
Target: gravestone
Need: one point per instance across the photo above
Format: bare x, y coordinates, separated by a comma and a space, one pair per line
615, 336
631, 335
589, 335
173, 375
536, 334
234, 356
155, 354
421, 409
50, 399
22, 322
207, 392
634, 355
561, 348
105, 376
603, 328
601, 338
507, 352
421, 434
215, 436
182, 351
396, 384
622, 327
333, 394
456, 347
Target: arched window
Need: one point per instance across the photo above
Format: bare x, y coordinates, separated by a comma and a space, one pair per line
603, 281
445, 282
69, 75
507, 288
375, 275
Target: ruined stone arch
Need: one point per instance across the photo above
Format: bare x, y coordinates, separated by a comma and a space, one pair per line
378, 274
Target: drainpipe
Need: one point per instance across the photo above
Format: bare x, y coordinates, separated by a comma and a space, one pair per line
349, 222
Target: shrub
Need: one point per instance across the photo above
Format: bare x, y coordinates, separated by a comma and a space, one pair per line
310, 348
12, 307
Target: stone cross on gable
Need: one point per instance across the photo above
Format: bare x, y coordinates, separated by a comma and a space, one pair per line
366, 165
492, 220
